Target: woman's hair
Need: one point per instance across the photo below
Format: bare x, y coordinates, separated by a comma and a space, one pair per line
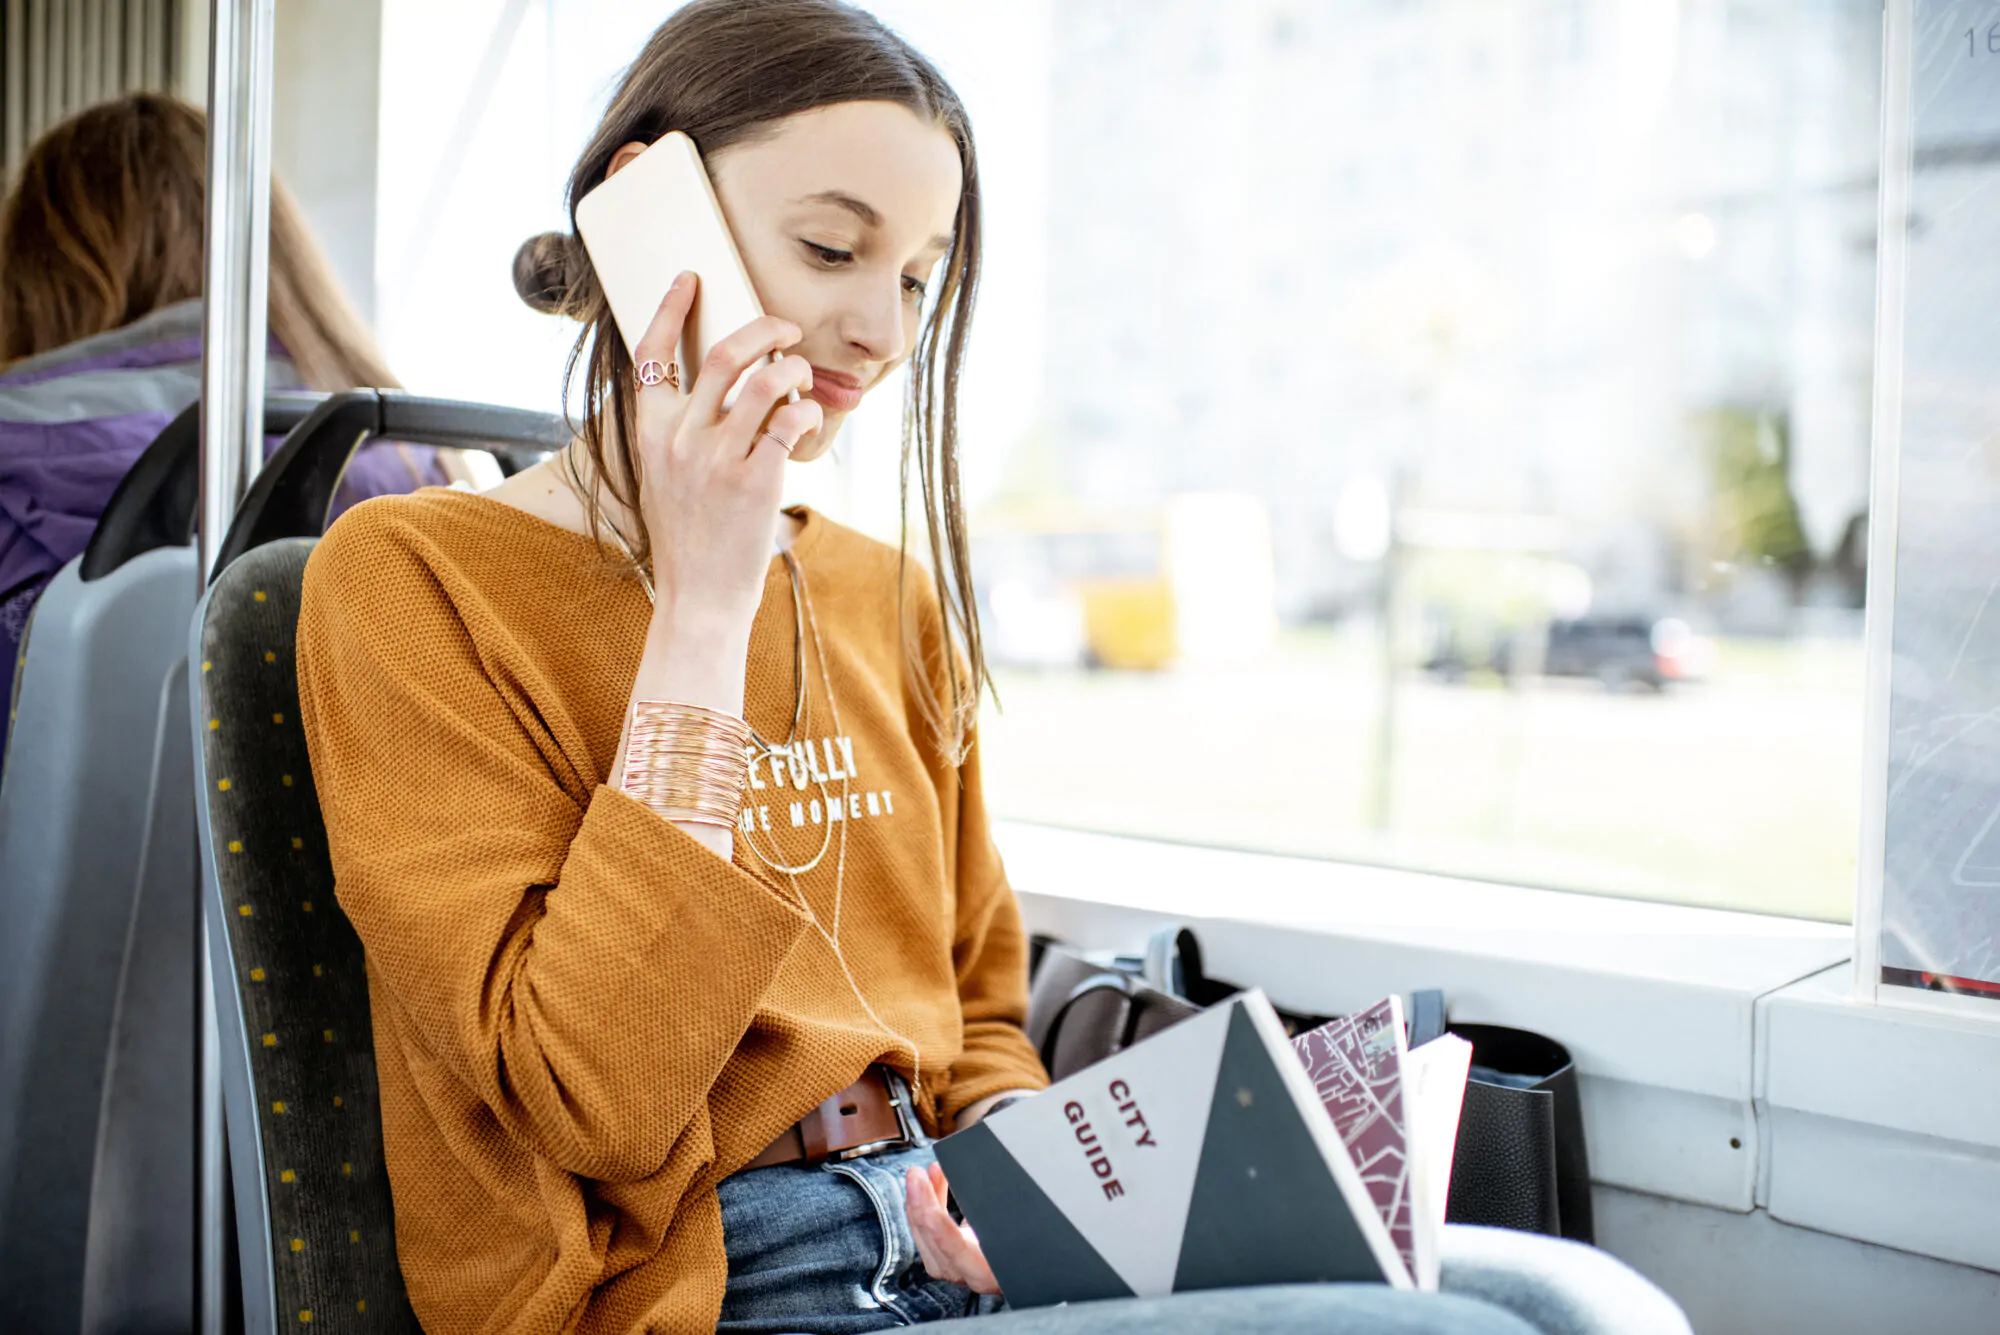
104, 226
723, 72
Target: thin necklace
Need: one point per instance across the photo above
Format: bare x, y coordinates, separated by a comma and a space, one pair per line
802, 600
798, 616
832, 938
798, 638
803, 614
801, 709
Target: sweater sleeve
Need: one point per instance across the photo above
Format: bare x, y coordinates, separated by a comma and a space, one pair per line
582, 965
990, 955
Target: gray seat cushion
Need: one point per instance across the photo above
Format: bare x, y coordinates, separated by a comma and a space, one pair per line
1556, 1286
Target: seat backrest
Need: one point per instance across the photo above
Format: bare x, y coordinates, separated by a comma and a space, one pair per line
98, 893
156, 501
315, 1229
314, 1223
97, 1002
292, 497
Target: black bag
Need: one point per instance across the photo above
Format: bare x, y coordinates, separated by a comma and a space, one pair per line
1520, 1161
1173, 964
1083, 1009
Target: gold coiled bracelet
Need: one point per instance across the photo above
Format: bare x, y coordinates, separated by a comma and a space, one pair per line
687, 762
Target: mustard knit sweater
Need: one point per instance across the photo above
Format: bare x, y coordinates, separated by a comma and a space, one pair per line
584, 1019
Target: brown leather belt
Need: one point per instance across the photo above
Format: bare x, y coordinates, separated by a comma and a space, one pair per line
871, 1114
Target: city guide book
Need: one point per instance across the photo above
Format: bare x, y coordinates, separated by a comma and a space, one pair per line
1203, 1157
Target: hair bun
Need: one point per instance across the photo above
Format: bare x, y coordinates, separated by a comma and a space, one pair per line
545, 270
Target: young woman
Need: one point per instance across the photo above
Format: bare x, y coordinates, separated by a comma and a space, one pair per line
100, 331
657, 809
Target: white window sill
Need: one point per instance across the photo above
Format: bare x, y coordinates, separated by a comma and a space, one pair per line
1706, 1075
1881, 1123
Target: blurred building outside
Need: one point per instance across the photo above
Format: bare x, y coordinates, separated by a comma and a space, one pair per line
1579, 296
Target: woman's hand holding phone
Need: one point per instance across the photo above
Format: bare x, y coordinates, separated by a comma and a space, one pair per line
712, 479
709, 486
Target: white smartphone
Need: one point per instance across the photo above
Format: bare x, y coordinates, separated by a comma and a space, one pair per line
648, 222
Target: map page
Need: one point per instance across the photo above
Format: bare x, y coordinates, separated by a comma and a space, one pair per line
1356, 1065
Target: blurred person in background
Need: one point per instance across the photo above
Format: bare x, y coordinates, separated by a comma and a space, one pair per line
100, 332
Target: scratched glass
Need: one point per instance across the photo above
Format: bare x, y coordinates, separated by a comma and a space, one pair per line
1941, 874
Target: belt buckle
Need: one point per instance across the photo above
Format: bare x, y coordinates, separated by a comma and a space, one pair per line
906, 1126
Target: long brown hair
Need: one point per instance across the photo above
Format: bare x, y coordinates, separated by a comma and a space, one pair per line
104, 226
721, 72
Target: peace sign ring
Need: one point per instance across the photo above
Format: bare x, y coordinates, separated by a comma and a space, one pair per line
649, 373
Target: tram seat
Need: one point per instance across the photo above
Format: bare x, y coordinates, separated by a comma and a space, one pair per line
97, 888
96, 873
315, 1232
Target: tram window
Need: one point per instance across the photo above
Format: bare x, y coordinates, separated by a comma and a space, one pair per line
1427, 433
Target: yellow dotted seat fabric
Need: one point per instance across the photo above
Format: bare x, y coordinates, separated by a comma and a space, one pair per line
304, 1041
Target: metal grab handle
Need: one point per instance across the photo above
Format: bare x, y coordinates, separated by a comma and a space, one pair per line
155, 503
291, 497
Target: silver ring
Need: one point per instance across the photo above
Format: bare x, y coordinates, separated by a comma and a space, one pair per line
783, 444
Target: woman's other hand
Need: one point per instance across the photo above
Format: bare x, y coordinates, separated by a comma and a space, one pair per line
950, 1251
711, 479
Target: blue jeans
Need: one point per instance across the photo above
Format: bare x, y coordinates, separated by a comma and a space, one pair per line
827, 1250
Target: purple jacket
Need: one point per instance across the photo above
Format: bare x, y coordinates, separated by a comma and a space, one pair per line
73, 421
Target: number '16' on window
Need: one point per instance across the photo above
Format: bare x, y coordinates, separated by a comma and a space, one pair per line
1992, 41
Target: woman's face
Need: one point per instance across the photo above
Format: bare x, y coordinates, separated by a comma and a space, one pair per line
842, 214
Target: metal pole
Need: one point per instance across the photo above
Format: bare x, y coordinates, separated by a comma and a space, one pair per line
232, 435
237, 260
